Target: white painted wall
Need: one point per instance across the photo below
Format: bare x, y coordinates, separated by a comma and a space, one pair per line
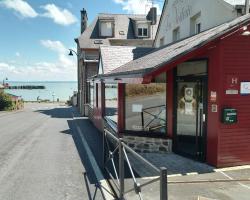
178, 13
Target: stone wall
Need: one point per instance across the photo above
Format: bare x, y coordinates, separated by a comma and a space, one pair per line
148, 145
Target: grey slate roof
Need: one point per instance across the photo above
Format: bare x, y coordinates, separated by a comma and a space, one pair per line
172, 52
113, 57
122, 23
236, 2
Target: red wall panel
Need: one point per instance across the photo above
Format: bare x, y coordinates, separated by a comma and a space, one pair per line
98, 107
234, 140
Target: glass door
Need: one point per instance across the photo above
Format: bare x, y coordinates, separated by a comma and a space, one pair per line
191, 118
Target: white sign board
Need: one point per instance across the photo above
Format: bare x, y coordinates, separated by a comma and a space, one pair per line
137, 108
245, 88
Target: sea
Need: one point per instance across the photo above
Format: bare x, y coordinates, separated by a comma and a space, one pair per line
61, 91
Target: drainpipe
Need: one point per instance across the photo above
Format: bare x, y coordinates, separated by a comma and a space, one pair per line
247, 6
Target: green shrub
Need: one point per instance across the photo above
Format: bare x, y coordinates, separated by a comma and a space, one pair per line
5, 102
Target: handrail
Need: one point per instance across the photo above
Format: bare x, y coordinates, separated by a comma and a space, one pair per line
121, 148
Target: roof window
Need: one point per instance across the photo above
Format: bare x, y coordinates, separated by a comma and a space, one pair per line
106, 27
142, 30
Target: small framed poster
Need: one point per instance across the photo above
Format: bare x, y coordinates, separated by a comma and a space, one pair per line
245, 88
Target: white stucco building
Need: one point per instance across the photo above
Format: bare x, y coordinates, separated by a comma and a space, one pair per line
183, 18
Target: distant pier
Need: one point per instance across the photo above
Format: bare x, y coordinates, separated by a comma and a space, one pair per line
26, 87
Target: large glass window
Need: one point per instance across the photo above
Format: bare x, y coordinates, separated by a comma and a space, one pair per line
146, 107
111, 102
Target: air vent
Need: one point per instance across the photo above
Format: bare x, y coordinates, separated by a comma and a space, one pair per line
98, 42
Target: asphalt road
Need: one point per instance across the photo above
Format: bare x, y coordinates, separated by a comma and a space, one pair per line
38, 156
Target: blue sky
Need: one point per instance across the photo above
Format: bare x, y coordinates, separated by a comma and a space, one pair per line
35, 35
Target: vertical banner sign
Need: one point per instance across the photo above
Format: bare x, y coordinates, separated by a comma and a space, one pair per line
213, 96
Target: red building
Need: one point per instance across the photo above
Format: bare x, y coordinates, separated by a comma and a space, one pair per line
194, 93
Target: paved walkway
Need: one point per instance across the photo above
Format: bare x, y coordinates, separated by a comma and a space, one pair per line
188, 179
176, 165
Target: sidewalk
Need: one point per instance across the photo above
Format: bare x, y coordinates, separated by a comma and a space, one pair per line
87, 138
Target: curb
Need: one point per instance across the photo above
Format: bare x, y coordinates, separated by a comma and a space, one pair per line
104, 186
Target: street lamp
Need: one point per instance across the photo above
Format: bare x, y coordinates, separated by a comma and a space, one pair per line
53, 95
71, 51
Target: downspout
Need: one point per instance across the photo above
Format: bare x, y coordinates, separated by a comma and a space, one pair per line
247, 7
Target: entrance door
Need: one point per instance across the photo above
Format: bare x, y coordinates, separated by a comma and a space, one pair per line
191, 118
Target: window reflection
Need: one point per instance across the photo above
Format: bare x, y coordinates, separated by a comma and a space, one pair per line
91, 99
111, 102
146, 107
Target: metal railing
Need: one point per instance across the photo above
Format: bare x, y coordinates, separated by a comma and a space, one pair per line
154, 114
116, 157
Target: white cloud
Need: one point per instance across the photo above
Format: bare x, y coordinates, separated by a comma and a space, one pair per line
21, 7
137, 6
63, 69
41, 71
58, 15
56, 46
17, 54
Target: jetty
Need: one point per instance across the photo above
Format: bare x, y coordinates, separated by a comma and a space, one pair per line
25, 87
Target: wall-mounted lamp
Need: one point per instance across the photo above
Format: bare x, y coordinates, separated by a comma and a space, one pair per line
71, 52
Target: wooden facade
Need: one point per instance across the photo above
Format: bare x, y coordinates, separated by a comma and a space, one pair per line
228, 65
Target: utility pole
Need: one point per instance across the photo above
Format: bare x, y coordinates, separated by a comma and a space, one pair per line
247, 6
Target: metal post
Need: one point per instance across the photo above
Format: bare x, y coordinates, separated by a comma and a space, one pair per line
142, 120
103, 148
247, 6
163, 184
121, 170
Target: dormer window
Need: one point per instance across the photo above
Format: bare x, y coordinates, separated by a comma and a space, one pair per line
142, 30
106, 27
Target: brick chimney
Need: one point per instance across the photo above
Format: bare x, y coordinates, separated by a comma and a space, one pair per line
152, 15
84, 20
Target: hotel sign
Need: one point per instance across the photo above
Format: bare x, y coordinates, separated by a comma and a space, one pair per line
232, 85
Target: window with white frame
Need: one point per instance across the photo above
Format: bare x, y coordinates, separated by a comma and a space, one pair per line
195, 24
198, 28
106, 28
162, 41
176, 34
142, 30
